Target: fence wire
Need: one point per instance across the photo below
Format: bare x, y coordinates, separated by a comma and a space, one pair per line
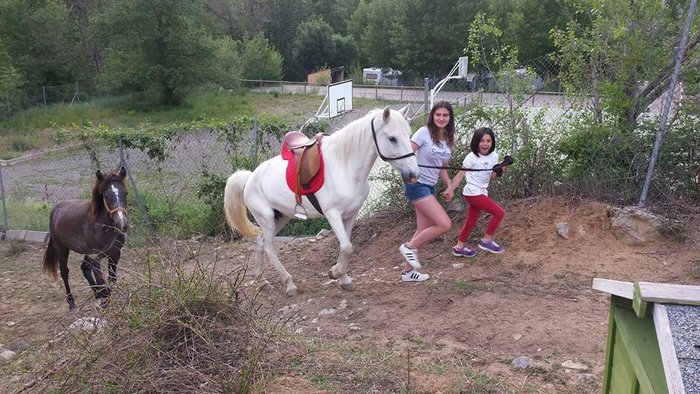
532, 119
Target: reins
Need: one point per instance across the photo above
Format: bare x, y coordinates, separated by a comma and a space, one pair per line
456, 168
507, 160
376, 144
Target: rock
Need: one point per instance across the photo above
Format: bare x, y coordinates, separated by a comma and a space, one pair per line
585, 377
86, 324
574, 365
328, 311
7, 355
323, 233
458, 265
563, 229
635, 226
521, 362
516, 337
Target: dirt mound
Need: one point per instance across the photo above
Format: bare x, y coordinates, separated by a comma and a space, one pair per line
534, 300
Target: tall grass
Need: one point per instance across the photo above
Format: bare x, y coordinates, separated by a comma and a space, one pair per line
28, 215
181, 323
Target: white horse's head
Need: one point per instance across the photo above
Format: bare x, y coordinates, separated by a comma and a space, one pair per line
392, 138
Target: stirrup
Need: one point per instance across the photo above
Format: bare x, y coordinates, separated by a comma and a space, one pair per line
300, 212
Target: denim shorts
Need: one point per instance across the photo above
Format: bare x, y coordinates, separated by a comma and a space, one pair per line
417, 191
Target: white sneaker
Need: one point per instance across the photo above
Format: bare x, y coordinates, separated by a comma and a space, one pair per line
410, 255
414, 276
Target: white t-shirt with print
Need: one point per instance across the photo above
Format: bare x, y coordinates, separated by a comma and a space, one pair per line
478, 181
430, 154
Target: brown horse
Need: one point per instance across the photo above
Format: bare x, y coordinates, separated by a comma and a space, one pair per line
89, 227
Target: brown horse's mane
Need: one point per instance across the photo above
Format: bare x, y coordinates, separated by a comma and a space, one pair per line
96, 204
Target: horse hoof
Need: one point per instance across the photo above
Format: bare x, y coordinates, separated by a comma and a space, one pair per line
332, 275
292, 291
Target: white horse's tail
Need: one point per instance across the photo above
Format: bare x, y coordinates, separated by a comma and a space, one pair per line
234, 205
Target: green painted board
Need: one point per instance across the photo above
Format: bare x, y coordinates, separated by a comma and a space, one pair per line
638, 337
623, 379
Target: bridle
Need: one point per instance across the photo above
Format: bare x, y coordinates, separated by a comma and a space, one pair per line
374, 136
113, 210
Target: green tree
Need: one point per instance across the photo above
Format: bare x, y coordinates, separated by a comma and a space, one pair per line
335, 12
43, 42
10, 77
259, 60
376, 40
622, 54
430, 42
162, 48
359, 20
285, 17
313, 44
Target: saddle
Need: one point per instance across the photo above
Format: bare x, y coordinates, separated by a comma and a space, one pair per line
305, 163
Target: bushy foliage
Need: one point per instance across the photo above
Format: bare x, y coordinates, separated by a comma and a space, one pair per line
160, 49
10, 77
260, 60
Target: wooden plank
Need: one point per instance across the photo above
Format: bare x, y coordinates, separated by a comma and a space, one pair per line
669, 358
609, 349
623, 379
614, 287
639, 338
669, 293
639, 306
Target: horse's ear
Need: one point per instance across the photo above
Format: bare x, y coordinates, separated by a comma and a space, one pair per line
99, 175
404, 111
386, 114
122, 172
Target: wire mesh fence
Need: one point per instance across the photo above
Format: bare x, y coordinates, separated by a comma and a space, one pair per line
559, 149
18, 100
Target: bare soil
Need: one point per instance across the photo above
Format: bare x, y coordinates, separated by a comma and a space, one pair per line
534, 300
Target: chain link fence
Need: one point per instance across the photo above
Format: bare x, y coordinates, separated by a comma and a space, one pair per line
559, 146
44, 96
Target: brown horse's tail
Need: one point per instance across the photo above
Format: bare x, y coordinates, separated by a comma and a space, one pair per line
234, 205
50, 260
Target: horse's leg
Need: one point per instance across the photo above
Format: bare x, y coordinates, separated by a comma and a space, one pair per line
280, 222
112, 265
98, 286
86, 267
62, 254
340, 228
269, 228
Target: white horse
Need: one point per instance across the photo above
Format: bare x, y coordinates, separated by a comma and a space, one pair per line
348, 156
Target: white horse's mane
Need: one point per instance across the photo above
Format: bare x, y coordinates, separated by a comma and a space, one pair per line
345, 142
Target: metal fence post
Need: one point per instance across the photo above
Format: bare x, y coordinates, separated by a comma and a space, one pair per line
43, 93
426, 94
667, 104
4, 207
9, 107
142, 204
255, 141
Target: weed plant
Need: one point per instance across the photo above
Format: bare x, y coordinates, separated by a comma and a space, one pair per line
179, 324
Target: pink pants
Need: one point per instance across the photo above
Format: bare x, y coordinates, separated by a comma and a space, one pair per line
476, 204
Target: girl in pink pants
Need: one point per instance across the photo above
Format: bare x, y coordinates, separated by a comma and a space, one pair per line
483, 158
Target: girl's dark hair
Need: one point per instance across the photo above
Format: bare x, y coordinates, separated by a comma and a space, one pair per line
476, 139
449, 129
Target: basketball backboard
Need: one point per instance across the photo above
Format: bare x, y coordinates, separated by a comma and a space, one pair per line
338, 100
